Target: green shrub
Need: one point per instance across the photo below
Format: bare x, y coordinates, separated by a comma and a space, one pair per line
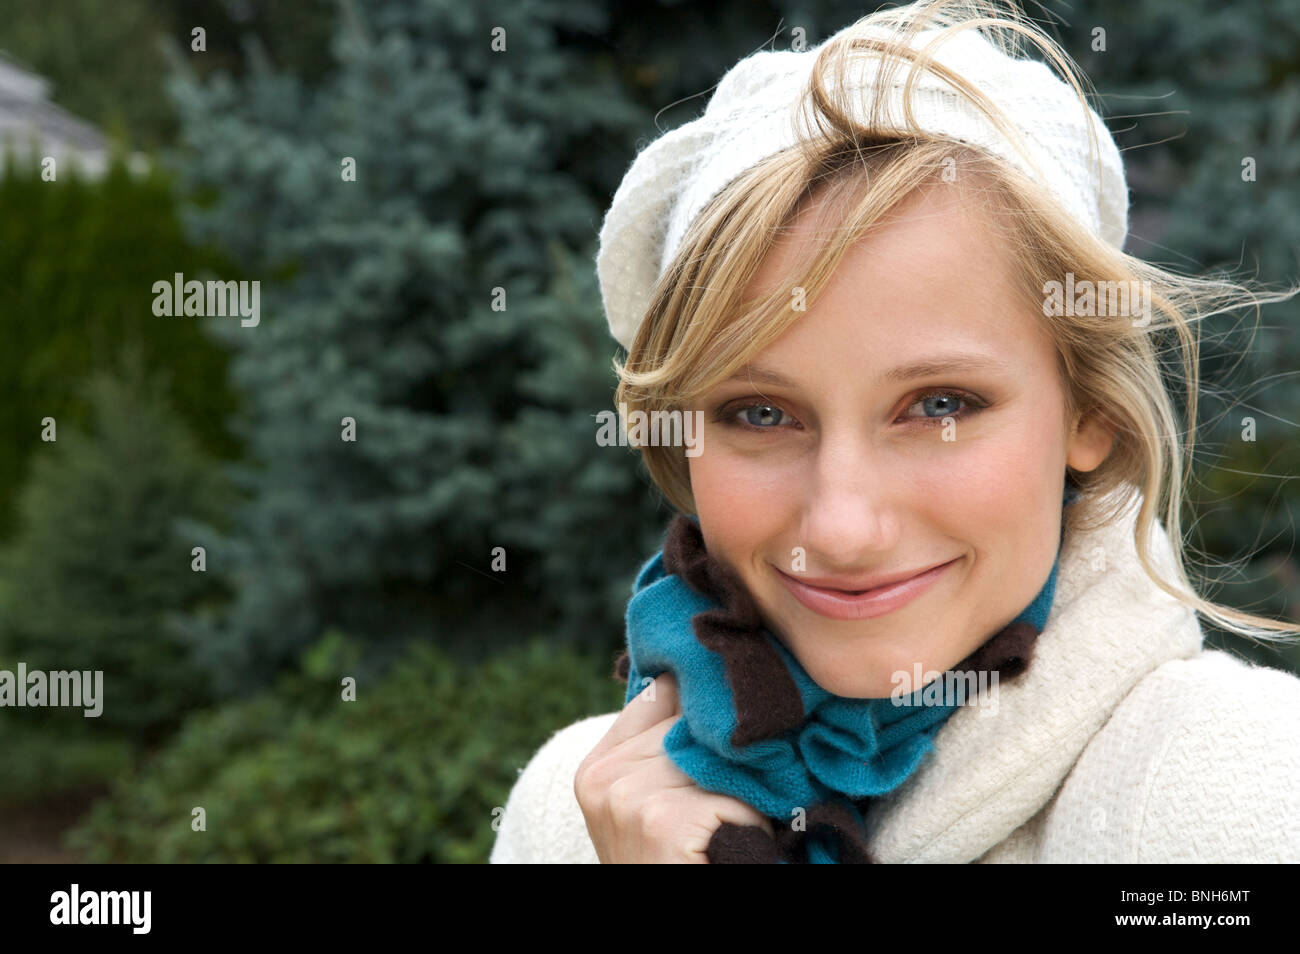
98, 565
408, 772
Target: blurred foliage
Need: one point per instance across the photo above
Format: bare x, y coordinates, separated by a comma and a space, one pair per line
78, 260
52, 752
408, 772
97, 568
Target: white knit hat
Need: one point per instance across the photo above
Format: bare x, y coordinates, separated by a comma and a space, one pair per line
751, 117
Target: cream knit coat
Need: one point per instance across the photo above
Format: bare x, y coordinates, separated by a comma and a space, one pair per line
1124, 741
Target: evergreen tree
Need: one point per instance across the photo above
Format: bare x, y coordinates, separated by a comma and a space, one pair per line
78, 260
427, 257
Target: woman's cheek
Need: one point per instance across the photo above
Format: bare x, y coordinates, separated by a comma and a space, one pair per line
1001, 472
1010, 505
742, 500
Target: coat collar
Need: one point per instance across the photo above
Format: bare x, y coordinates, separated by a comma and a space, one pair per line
992, 770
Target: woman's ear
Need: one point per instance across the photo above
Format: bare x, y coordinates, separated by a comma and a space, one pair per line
1090, 442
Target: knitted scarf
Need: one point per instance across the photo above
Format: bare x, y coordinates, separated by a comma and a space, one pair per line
756, 727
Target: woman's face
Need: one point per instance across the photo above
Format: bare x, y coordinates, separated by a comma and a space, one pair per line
838, 460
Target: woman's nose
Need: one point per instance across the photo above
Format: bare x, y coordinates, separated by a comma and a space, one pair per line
850, 520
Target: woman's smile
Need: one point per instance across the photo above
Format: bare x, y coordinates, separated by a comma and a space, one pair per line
862, 604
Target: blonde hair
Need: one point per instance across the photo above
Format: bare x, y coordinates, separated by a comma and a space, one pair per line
698, 330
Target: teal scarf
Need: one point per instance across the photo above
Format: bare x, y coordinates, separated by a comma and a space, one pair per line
756, 727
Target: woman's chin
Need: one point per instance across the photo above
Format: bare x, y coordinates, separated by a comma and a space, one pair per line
868, 681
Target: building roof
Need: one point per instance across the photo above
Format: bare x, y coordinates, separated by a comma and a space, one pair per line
34, 127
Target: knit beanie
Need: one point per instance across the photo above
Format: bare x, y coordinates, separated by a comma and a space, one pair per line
755, 112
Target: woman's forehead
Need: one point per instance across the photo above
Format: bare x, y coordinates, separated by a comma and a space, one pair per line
930, 273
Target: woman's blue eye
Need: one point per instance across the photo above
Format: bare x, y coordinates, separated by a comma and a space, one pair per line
762, 415
944, 402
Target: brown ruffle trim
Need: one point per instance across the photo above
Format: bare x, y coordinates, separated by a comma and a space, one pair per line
768, 703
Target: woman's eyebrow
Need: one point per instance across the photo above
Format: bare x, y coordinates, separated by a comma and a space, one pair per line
757, 374
940, 364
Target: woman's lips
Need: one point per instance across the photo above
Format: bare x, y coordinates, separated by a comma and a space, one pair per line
838, 604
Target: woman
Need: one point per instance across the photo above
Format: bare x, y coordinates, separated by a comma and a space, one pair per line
933, 439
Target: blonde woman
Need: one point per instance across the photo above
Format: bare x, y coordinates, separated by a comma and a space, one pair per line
880, 283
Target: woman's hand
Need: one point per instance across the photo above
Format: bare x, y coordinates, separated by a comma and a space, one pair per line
639, 807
